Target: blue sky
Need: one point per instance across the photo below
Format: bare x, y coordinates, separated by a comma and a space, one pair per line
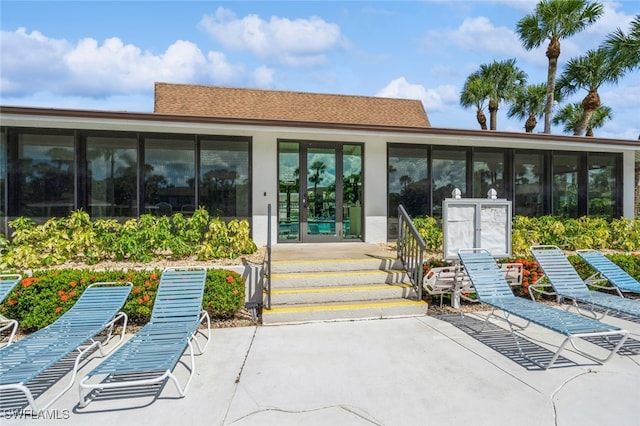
106, 55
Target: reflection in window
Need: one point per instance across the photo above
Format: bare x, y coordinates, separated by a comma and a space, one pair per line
169, 175
112, 171
407, 184
46, 175
565, 185
352, 191
289, 191
529, 188
224, 178
602, 185
488, 173
449, 172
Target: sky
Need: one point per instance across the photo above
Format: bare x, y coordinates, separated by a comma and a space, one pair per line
107, 55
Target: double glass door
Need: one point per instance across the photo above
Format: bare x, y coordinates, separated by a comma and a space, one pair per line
320, 196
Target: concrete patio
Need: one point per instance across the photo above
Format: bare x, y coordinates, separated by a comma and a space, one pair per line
406, 371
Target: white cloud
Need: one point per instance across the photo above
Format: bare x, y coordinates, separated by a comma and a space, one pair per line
92, 69
437, 99
299, 42
480, 36
263, 76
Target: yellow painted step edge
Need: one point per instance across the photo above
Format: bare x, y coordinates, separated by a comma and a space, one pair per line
338, 289
298, 275
342, 307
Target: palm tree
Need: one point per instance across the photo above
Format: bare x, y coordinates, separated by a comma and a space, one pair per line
529, 103
625, 48
589, 72
474, 94
500, 81
554, 20
569, 116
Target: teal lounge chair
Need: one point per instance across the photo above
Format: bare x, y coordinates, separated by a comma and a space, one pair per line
568, 284
618, 277
151, 355
493, 290
7, 284
96, 311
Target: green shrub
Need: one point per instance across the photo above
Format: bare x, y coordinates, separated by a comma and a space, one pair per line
430, 231
76, 238
41, 299
224, 293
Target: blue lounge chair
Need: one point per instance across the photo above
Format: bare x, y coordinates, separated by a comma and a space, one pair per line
618, 277
151, 355
568, 284
96, 311
7, 284
493, 290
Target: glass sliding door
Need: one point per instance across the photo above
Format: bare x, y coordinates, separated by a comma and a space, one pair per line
529, 184
46, 179
319, 200
112, 167
169, 175
565, 184
320, 191
225, 182
289, 193
352, 191
488, 173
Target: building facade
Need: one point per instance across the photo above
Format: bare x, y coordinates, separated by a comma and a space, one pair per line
330, 168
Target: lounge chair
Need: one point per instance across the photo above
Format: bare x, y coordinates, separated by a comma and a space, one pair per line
618, 277
151, 355
7, 284
493, 290
96, 311
568, 284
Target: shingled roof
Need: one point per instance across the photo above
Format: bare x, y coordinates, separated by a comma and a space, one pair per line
227, 102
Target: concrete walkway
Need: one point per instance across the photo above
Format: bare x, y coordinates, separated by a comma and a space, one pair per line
411, 371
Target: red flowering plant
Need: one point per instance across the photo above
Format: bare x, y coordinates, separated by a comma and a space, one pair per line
531, 274
41, 299
224, 293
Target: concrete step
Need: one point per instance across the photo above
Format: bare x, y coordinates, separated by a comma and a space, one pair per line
336, 278
343, 311
341, 293
335, 265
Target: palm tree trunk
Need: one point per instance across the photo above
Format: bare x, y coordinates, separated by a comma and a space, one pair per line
553, 52
530, 124
482, 119
493, 114
590, 103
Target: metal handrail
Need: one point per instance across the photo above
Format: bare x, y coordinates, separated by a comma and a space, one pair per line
411, 248
267, 265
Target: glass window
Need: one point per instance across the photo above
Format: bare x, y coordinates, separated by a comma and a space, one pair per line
225, 178
169, 176
529, 184
565, 185
488, 173
289, 191
46, 175
602, 185
112, 173
352, 191
407, 184
449, 171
